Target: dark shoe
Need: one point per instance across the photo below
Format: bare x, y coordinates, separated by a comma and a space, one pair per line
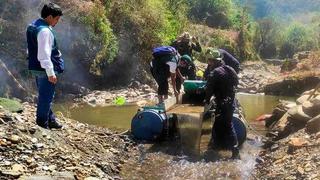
235, 154
43, 126
54, 125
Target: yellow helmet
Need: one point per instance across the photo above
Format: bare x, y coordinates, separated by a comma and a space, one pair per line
199, 73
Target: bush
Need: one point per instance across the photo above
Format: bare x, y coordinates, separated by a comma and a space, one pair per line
148, 23
215, 13
100, 31
297, 38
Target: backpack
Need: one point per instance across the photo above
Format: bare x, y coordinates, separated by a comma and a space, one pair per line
163, 51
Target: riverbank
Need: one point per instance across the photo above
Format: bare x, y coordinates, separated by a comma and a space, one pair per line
78, 151
293, 147
135, 93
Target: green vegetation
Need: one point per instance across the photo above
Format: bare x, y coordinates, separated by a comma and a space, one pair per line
146, 23
284, 27
101, 32
10, 105
97, 37
297, 38
215, 13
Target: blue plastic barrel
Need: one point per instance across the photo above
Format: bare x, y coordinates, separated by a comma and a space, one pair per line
148, 124
240, 129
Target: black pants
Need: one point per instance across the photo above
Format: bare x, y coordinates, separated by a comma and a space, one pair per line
161, 77
223, 133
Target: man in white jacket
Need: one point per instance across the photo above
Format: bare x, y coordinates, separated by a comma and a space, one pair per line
45, 62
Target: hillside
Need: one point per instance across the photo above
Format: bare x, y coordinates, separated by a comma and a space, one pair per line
108, 43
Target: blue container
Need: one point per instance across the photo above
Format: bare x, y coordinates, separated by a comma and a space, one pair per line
240, 129
148, 124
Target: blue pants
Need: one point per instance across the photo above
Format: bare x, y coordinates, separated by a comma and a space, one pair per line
45, 97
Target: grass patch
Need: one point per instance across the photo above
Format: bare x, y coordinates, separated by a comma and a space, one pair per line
11, 105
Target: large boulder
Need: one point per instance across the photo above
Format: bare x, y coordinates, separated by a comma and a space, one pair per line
313, 126
281, 124
312, 107
297, 116
278, 112
302, 99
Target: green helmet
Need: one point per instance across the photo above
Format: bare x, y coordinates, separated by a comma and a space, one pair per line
213, 54
186, 58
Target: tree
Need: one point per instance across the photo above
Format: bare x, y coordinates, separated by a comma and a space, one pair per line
265, 38
215, 13
297, 38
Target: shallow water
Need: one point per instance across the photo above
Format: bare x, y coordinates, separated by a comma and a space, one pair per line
188, 156
119, 117
113, 117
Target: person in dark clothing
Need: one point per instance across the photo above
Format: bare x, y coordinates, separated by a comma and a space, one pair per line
186, 69
226, 57
221, 84
185, 44
163, 67
229, 60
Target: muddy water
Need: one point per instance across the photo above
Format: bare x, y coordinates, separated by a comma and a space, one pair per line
113, 117
188, 156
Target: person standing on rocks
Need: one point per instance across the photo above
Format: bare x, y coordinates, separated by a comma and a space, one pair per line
164, 65
45, 62
226, 57
221, 84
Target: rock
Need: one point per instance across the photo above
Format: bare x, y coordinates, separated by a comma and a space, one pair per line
34, 140
302, 99
45, 168
315, 100
297, 116
301, 55
311, 108
32, 130
52, 167
21, 128
11, 174
18, 168
259, 160
298, 142
276, 115
91, 178
313, 126
38, 145
274, 147
64, 175
281, 124
300, 170
14, 139
142, 103
135, 84
38, 177
92, 100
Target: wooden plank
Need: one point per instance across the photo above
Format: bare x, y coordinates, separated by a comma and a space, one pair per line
170, 102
